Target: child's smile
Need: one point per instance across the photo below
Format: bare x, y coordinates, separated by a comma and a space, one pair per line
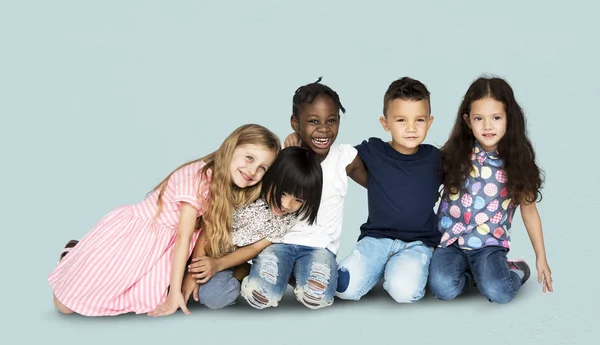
317, 124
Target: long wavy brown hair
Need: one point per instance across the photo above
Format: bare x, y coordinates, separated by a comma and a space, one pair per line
525, 178
224, 194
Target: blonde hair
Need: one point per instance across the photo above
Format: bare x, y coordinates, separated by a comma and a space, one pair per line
224, 194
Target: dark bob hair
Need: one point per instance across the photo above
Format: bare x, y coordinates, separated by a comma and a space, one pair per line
296, 171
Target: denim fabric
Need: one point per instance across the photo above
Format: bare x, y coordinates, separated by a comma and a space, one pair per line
404, 266
220, 291
450, 267
314, 270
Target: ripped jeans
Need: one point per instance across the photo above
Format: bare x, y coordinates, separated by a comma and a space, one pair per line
404, 267
314, 269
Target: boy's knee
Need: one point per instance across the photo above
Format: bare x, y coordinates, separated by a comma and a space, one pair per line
349, 267
405, 290
344, 291
253, 291
343, 280
319, 288
405, 294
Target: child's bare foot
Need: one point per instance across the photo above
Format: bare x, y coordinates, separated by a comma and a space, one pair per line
61, 307
70, 245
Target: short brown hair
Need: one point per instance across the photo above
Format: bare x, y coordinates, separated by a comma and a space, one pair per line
407, 89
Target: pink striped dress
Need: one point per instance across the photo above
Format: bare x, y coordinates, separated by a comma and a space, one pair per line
123, 264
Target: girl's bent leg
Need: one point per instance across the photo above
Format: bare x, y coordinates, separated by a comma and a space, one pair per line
220, 291
493, 276
447, 273
61, 307
68, 247
269, 276
316, 277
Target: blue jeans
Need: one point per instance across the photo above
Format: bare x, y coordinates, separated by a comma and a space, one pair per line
220, 291
314, 269
449, 273
404, 266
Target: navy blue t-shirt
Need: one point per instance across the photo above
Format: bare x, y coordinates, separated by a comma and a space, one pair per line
402, 191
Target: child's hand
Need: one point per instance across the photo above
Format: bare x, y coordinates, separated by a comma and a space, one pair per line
189, 287
292, 140
544, 275
174, 301
204, 268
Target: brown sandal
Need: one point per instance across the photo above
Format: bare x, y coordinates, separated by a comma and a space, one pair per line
70, 245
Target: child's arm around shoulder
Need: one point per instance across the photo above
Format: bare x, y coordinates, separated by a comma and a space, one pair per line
533, 224
357, 171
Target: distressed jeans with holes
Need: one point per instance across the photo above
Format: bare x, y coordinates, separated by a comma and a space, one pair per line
488, 265
404, 266
314, 269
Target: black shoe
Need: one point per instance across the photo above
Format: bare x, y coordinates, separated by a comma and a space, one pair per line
67, 249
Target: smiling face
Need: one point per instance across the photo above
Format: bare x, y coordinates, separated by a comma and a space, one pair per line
487, 120
249, 164
408, 121
317, 124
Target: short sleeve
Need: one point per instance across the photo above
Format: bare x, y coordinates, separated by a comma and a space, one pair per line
347, 154
192, 186
440, 164
367, 148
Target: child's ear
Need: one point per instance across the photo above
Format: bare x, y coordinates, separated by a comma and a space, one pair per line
430, 121
294, 123
384, 124
466, 118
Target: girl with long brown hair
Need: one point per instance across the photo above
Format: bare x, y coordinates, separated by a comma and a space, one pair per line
490, 170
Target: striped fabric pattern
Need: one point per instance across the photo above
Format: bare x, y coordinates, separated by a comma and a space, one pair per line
123, 264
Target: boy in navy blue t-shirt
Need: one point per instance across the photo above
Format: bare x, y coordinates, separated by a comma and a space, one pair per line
404, 177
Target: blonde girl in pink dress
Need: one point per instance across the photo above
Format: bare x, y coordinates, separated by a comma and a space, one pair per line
134, 259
